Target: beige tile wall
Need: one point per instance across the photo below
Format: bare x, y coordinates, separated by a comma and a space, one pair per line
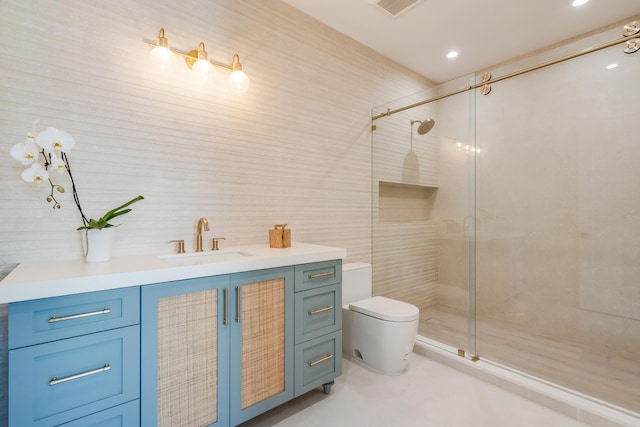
295, 149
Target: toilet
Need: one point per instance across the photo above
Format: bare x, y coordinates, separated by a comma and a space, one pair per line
377, 331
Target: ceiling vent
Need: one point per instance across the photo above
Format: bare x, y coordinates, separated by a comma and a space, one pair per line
395, 7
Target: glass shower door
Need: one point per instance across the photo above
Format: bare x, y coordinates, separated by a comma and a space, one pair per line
423, 211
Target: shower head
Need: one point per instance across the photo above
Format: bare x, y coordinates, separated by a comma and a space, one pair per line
425, 125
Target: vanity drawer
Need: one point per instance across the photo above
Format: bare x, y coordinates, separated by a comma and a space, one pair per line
318, 312
318, 361
50, 319
56, 382
125, 415
317, 274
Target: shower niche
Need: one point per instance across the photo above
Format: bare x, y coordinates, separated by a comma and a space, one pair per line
400, 202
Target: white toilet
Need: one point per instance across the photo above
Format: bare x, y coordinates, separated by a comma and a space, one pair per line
378, 331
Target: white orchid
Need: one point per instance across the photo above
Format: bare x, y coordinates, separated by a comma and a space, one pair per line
36, 173
51, 147
56, 163
25, 152
54, 139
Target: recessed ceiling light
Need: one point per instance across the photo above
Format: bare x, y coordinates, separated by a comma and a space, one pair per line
611, 66
577, 3
452, 54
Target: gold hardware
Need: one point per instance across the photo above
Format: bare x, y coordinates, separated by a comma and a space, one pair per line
475, 358
214, 243
319, 275
55, 380
373, 127
486, 87
201, 222
460, 353
498, 79
79, 316
631, 29
237, 304
633, 46
180, 248
238, 79
225, 316
317, 362
321, 310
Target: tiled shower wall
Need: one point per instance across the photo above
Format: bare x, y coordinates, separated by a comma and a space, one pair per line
295, 149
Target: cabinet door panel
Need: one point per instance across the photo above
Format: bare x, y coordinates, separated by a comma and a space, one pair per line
185, 353
318, 361
58, 381
50, 319
261, 342
318, 312
125, 415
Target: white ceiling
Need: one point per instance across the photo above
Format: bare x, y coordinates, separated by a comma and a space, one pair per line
484, 32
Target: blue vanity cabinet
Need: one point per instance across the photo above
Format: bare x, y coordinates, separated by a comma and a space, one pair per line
185, 352
261, 341
318, 325
73, 356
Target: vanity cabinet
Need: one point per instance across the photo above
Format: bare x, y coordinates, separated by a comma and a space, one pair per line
205, 351
217, 350
318, 325
185, 353
73, 357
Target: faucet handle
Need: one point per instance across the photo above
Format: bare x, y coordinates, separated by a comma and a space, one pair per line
180, 248
214, 243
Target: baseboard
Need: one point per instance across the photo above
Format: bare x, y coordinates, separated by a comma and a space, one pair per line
583, 408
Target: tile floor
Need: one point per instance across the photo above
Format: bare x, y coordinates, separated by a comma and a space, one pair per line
428, 395
595, 371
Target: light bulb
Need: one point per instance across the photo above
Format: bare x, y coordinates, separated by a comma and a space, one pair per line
161, 56
202, 68
238, 80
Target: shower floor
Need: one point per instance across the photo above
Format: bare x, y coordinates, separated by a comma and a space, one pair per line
596, 372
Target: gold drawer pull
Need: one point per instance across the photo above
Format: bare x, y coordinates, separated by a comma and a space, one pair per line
321, 310
319, 361
319, 275
78, 316
55, 381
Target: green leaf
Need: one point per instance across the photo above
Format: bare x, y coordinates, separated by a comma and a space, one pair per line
104, 221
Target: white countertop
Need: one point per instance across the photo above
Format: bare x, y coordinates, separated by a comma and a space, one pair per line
42, 279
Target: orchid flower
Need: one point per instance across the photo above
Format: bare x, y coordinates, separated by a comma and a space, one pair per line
36, 173
25, 152
56, 163
54, 139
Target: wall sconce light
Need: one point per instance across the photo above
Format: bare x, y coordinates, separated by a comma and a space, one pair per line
163, 57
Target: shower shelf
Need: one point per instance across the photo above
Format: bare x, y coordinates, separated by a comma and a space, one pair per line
400, 202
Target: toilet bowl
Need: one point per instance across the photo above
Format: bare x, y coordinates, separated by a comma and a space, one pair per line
380, 332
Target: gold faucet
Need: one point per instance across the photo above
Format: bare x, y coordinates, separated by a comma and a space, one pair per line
201, 222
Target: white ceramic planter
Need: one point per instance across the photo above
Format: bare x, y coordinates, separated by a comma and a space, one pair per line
97, 244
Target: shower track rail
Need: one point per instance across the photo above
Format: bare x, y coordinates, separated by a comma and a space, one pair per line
629, 30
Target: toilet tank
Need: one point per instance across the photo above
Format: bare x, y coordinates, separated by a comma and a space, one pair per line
356, 282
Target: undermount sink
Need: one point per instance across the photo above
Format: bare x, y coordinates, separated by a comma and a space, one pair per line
206, 257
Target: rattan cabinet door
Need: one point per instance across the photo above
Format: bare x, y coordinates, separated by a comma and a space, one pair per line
185, 353
261, 341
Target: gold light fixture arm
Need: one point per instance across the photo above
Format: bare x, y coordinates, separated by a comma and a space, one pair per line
192, 57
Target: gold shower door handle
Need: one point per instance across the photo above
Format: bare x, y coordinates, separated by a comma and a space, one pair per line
319, 361
320, 310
